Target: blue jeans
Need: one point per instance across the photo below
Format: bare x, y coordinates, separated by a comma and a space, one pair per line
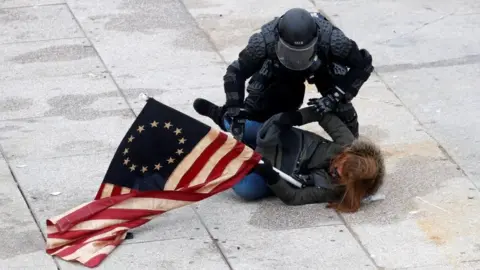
252, 186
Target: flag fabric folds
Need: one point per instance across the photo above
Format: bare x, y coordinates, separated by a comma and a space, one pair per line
165, 161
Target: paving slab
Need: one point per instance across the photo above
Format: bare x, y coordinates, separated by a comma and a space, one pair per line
81, 176
48, 59
176, 55
171, 85
406, 33
421, 48
446, 101
327, 247
229, 217
416, 166
37, 23
392, 19
40, 138
419, 175
426, 218
172, 254
167, 32
28, 3
230, 24
76, 97
22, 245
458, 266
388, 124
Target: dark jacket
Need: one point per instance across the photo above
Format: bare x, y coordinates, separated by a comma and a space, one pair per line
334, 48
298, 152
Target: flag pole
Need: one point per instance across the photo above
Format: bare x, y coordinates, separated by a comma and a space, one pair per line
285, 176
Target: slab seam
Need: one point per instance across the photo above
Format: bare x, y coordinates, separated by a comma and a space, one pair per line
420, 27
39, 40
214, 240
207, 36
24, 197
425, 129
359, 242
41, 5
101, 59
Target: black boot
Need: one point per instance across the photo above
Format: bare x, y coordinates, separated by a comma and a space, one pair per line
210, 110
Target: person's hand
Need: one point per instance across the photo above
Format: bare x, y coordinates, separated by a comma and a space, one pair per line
324, 104
266, 170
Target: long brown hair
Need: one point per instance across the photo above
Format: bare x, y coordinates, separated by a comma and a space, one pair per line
362, 172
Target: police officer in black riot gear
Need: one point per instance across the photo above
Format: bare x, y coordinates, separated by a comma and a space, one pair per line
288, 50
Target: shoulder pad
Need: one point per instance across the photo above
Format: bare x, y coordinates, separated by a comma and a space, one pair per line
256, 48
340, 44
325, 29
269, 32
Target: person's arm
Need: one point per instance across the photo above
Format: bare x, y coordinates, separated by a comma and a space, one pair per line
250, 59
300, 196
345, 51
335, 128
291, 195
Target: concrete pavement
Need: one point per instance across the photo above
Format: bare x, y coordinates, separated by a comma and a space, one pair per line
70, 75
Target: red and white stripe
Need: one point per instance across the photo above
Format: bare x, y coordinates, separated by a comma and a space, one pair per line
91, 231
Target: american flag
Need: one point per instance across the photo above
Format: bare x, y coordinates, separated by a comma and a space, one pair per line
165, 161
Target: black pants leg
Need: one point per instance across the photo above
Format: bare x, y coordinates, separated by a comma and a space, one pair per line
277, 97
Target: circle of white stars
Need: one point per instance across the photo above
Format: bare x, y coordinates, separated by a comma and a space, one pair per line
158, 165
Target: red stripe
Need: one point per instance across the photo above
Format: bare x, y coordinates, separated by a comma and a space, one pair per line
202, 160
127, 214
81, 242
95, 261
85, 212
82, 235
245, 169
117, 190
100, 191
224, 161
183, 195
107, 214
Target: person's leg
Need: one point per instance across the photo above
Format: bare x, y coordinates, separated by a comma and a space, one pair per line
347, 113
252, 187
210, 110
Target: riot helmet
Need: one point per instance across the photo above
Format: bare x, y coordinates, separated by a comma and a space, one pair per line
297, 39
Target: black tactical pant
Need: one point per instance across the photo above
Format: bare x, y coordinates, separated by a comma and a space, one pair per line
279, 96
284, 96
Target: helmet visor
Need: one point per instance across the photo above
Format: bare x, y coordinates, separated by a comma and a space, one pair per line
296, 58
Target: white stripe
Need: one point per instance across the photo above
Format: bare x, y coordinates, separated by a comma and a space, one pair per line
230, 170
201, 177
150, 204
190, 159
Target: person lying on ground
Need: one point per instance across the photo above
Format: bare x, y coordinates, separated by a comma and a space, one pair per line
340, 172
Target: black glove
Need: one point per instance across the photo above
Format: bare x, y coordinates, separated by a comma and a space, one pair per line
238, 117
327, 103
266, 171
233, 111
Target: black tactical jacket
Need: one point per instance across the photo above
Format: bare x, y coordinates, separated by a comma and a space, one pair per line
338, 54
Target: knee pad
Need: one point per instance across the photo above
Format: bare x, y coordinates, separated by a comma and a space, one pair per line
347, 113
